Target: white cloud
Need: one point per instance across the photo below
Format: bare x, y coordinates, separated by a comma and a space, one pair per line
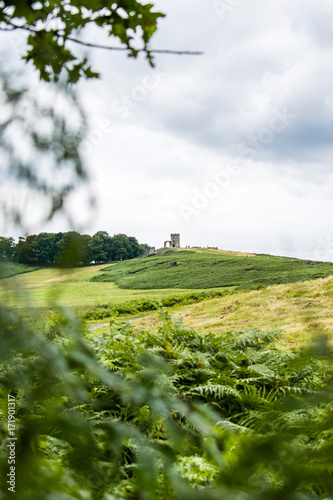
154, 140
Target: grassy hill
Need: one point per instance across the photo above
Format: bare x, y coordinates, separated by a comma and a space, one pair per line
8, 269
301, 304
68, 287
209, 269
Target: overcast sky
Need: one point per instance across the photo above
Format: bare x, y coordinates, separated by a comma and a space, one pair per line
232, 148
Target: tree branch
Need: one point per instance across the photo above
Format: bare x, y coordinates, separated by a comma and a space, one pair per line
106, 47
155, 51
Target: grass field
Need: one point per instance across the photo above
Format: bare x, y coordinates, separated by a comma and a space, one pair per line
209, 269
301, 309
68, 287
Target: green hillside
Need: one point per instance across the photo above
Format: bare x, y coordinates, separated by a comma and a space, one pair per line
210, 269
8, 269
70, 287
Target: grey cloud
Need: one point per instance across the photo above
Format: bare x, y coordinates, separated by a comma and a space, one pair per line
262, 58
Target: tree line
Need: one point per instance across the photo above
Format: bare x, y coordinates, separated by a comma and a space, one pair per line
70, 248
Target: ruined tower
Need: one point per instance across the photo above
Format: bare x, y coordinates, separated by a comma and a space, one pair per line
174, 241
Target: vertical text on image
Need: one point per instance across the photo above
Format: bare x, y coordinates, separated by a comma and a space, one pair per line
11, 443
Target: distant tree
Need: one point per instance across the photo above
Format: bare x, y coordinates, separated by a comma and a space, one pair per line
134, 244
121, 247
86, 249
27, 251
101, 247
142, 248
36, 249
7, 247
45, 250
69, 250
19, 249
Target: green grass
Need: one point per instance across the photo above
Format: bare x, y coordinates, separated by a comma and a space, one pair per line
209, 269
84, 289
142, 305
69, 287
302, 309
8, 268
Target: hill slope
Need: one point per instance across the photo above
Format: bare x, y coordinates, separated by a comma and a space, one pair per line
68, 287
9, 268
210, 269
302, 310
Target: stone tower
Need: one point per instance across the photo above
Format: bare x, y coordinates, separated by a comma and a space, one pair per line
175, 240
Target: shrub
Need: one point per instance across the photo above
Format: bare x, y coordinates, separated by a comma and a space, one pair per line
144, 305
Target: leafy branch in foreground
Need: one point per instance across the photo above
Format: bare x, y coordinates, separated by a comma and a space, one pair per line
53, 26
158, 415
49, 124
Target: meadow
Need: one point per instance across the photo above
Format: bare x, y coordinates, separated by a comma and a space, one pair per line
302, 309
203, 269
47, 287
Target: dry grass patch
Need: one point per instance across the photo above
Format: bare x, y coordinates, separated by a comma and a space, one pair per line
301, 309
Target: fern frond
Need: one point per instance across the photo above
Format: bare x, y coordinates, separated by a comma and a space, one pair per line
217, 391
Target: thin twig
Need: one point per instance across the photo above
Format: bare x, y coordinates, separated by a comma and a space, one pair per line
106, 47
156, 51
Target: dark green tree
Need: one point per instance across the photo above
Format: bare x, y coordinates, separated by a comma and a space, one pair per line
7, 247
19, 249
45, 249
143, 247
86, 250
26, 251
134, 244
69, 250
101, 247
121, 248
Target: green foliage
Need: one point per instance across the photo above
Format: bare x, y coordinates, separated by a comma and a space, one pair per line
143, 305
163, 415
101, 246
47, 121
70, 249
188, 269
6, 248
48, 124
52, 27
106, 248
